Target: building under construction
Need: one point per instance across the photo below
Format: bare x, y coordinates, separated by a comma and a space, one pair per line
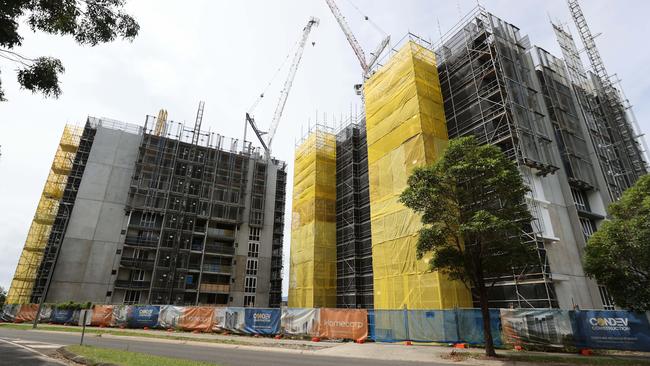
160, 214
571, 133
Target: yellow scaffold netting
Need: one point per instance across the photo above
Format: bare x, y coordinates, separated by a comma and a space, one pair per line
312, 279
406, 128
39, 232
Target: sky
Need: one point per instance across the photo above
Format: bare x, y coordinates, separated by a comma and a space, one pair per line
226, 52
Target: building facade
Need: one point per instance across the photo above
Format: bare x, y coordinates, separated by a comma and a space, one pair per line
167, 215
571, 134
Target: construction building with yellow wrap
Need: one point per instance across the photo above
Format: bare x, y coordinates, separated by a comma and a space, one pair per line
485, 79
405, 128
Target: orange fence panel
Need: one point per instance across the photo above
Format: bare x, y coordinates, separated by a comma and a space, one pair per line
197, 318
343, 323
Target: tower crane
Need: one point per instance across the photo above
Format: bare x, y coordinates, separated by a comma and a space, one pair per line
366, 65
284, 94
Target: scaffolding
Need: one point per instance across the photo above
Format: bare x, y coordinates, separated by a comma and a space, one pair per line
490, 91
603, 110
565, 119
186, 202
312, 280
46, 211
354, 280
405, 124
626, 146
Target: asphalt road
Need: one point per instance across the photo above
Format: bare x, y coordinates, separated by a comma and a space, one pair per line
221, 356
18, 354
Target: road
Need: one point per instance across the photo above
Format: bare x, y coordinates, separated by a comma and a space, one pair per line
219, 355
17, 352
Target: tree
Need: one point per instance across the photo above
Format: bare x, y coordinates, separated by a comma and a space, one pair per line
3, 296
90, 22
474, 214
618, 254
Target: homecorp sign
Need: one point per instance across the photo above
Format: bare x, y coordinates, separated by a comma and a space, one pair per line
262, 321
612, 329
343, 323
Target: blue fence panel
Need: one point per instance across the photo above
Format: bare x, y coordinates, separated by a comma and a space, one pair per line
432, 326
62, 316
470, 326
622, 330
143, 316
371, 324
391, 325
262, 321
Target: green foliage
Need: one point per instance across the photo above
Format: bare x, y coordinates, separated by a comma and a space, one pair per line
472, 203
618, 254
89, 22
74, 306
42, 76
3, 295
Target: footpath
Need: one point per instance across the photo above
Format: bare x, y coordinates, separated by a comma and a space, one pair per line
370, 350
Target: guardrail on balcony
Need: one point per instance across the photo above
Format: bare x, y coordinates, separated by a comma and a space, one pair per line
141, 242
219, 249
129, 284
213, 287
137, 262
217, 268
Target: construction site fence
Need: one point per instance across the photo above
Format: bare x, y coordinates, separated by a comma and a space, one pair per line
323, 323
528, 328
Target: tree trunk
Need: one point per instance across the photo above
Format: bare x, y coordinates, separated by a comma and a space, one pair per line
485, 312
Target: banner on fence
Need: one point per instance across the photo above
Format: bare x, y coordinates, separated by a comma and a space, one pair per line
262, 321
298, 321
142, 316
542, 327
102, 316
343, 324
9, 312
26, 313
199, 318
624, 330
89, 317
234, 319
169, 314
65, 316
120, 315
219, 319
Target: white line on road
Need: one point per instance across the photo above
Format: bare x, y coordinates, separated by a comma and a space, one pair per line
42, 356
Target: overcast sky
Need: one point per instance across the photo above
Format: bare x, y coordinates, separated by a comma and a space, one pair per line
225, 52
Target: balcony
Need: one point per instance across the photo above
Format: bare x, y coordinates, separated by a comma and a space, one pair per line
136, 262
133, 285
141, 242
219, 249
213, 287
217, 268
221, 233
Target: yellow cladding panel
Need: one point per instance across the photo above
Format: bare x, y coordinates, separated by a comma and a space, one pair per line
312, 279
39, 232
406, 128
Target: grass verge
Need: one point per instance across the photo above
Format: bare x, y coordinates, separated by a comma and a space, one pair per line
100, 331
555, 359
127, 358
158, 335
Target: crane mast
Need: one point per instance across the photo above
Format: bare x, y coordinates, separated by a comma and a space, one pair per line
356, 47
284, 94
366, 65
